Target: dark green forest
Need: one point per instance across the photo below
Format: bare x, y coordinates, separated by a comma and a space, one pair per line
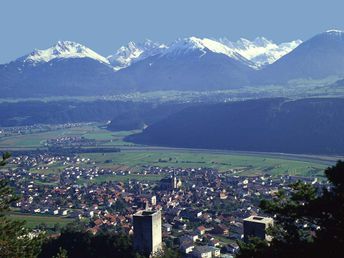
270, 125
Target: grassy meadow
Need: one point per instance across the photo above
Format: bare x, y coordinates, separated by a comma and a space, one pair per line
33, 221
38, 139
138, 156
247, 164
135, 157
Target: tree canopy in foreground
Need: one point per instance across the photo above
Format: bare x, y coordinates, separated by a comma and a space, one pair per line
309, 222
15, 240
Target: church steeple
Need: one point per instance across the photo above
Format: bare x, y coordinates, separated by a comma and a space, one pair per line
174, 180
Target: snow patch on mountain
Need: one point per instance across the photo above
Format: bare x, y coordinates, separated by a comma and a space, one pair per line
203, 46
185, 45
62, 50
133, 52
261, 51
334, 31
336, 34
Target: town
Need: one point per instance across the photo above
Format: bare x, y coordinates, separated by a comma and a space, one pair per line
200, 211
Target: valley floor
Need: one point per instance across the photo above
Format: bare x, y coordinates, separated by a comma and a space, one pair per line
136, 158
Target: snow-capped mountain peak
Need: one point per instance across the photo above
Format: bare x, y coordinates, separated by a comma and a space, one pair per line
334, 31
62, 49
202, 46
133, 52
193, 43
261, 51
262, 42
256, 53
124, 55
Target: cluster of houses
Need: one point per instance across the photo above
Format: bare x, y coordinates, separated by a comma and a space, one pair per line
71, 141
36, 128
45, 160
202, 209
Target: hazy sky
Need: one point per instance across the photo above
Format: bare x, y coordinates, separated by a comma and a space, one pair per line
104, 25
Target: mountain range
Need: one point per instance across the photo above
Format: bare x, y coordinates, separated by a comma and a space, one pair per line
260, 51
197, 64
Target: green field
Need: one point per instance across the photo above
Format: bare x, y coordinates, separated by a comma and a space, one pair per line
249, 165
55, 168
122, 178
135, 158
34, 220
90, 131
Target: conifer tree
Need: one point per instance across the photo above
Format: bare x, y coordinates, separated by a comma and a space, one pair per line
16, 241
308, 222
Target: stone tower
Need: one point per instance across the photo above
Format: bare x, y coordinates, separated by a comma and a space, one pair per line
256, 226
147, 232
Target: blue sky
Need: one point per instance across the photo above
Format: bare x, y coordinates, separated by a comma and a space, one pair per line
104, 25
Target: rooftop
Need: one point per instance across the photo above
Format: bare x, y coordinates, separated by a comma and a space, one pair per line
145, 213
259, 219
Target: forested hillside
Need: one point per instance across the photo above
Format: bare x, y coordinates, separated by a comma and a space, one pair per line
278, 125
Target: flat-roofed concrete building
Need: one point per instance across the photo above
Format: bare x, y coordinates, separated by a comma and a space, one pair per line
147, 232
256, 226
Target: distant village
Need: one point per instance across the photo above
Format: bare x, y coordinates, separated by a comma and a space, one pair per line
37, 128
201, 211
